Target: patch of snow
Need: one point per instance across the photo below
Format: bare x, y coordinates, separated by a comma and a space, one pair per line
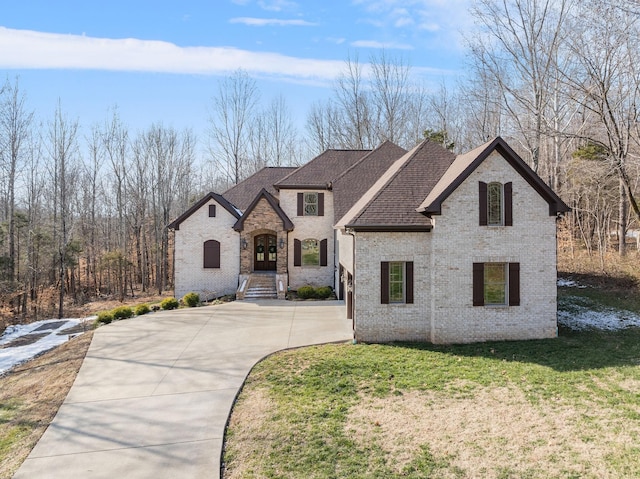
12, 356
579, 317
569, 283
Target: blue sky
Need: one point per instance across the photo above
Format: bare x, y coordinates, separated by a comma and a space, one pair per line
161, 60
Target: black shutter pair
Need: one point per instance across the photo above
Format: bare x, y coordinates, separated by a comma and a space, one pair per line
514, 284
301, 204
212, 254
297, 252
384, 282
508, 203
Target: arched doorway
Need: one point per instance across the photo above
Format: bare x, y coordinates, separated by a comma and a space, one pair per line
265, 252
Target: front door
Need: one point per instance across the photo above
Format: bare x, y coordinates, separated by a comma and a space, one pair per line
265, 253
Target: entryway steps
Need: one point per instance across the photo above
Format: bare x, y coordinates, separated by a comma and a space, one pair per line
261, 286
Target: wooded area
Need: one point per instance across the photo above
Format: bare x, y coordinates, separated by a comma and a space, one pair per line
84, 211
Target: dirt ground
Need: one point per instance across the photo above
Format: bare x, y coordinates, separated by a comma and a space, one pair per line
30, 396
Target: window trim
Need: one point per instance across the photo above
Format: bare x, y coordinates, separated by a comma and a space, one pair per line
306, 204
498, 188
512, 284
506, 204
407, 282
302, 246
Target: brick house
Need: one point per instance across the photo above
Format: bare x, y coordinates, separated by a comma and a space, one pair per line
422, 245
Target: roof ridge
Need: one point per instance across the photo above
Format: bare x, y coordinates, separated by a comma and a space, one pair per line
379, 186
371, 152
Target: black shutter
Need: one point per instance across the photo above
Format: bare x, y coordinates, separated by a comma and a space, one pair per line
409, 285
384, 282
297, 252
478, 284
211, 254
508, 204
212, 211
300, 204
323, 252
514, 284
482, 202
320, 204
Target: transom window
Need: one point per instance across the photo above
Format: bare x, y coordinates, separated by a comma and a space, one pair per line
311, 204
396, 282
495, 215
495, 284
310, 252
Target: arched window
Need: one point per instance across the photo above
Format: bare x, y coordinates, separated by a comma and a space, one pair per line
496, 207
495, 204
212, 254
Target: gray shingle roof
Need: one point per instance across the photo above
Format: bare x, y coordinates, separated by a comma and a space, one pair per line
349, 187
242, 194
322, 170
391, 203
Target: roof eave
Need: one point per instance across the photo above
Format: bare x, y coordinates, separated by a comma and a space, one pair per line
390, 228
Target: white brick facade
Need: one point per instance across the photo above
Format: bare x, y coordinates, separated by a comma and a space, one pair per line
443, 311
310, 227
190, 274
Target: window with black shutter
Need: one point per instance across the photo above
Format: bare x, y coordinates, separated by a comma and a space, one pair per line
396, 282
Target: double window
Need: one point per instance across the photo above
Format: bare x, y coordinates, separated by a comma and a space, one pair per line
496, 284
396, 282
310, 204
495, 201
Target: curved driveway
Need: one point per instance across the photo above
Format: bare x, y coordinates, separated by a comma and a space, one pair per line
153, 394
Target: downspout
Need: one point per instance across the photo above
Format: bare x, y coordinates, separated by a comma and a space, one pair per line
351, 232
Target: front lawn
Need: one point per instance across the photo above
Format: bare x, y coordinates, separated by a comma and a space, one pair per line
559, 408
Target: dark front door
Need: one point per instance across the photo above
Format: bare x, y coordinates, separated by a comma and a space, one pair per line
264, 253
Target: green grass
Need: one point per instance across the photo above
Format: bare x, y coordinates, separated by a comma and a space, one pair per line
314, 390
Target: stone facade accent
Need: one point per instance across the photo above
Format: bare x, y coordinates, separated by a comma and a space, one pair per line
262, 220
443, 310
190, 274
310, 227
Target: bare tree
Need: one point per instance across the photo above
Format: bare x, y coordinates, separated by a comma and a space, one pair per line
607, 87
15, 128
517, 47
63, 152
230, 124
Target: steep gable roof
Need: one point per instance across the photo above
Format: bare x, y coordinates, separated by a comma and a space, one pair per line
465, 164
322, 170
389, 205
242, 194
175, 224
286, 222
357, 179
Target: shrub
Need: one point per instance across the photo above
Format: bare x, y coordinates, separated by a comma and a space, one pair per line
104, 317
306, 292
169, 303
122, 312
191, 299
323, 292
142, 309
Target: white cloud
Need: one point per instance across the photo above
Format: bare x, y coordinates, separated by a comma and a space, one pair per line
377, 44
261, 22
276, 5
26, 49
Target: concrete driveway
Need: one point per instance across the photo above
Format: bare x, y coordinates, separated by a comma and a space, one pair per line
154, 393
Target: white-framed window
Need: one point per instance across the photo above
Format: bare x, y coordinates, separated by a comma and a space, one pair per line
310, 252
396, 285
496, 284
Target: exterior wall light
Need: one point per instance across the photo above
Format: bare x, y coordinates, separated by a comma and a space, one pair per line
244, 243
281, 244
